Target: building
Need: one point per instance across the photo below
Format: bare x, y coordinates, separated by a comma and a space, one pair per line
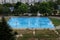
23, 1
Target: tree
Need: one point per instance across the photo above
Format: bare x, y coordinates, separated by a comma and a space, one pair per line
23, 8
1, 9
54, 5
6, 10
17, 4
34, 8
58, 2
7, 5
45, 8
5, 31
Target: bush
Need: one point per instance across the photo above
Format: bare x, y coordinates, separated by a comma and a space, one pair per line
6, 32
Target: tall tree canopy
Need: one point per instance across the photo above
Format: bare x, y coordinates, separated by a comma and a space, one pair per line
58, 2
45, 7
1, 9
34, 8
23, 8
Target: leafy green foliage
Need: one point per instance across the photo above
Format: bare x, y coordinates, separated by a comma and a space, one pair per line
17, 4
58, 2
53, 5
5, 31
6, 10
7, 5
45, 8
23, 8
34, 8
1, 9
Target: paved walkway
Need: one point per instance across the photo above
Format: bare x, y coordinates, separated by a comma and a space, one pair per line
55, 17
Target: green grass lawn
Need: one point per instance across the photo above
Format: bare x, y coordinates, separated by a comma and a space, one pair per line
55, 21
